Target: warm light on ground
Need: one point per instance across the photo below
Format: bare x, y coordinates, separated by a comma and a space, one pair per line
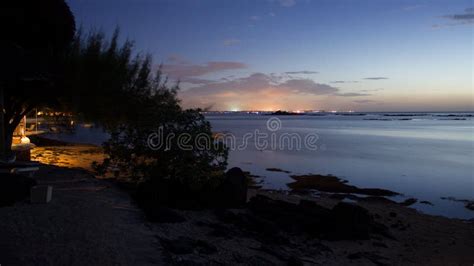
68, 156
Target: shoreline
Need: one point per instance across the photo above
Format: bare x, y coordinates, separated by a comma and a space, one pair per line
112, 230
77, 155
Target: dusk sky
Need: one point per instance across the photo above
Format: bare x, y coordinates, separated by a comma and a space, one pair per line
303, 54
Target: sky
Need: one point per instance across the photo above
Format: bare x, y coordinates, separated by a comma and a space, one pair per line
358, 55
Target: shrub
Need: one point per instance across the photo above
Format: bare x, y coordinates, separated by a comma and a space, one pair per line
152, 109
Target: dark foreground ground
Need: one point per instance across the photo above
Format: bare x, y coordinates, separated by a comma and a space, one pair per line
93, 222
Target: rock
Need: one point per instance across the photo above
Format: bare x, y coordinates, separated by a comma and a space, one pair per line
426, 202
399, 225
221, 232
383, 230
304, 217
276, 252
393, 214
278, 170
313, 216
376, 199
180, 246
349, 222
281, 213
251, 193
233, 192
14, 188
163, 215
379, 245
346, 221
186, 245
470, 205
226, 216
372, 257
409, 202
258, 261
266, 229
333, 184
205, 248
295, 261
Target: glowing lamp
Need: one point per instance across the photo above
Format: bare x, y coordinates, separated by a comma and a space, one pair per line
25, 140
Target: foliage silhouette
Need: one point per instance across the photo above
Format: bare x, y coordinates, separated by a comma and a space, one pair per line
35, 35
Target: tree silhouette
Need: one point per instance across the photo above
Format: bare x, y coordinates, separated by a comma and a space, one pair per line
34, 36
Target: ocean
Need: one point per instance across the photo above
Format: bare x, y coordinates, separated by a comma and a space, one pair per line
427, 156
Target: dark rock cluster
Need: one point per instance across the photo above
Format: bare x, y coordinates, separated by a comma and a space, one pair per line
346, 221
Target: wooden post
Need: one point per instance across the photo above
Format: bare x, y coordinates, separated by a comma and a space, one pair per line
2, 126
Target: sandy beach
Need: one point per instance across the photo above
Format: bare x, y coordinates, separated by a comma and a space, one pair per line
87, 222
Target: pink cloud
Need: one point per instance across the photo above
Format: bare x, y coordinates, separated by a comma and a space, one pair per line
257, 89
182, 71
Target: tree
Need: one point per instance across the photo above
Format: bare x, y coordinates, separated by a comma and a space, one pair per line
34, 36
105, 82
160, 141
45, 62
121, 91
99, 75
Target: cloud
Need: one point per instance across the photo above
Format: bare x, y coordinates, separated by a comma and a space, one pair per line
307, 86
254, 18
263, 82
304, 72
376, 78
177, 59
458, 19
185, 70
196, 81
284, 3
365, 101
467, 16
372, 90
344, 81
257, 89
231, 42
412, 7
261, 91
352, 94
271, 14
287, 3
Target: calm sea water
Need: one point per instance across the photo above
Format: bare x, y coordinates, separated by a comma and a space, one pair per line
425, 156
